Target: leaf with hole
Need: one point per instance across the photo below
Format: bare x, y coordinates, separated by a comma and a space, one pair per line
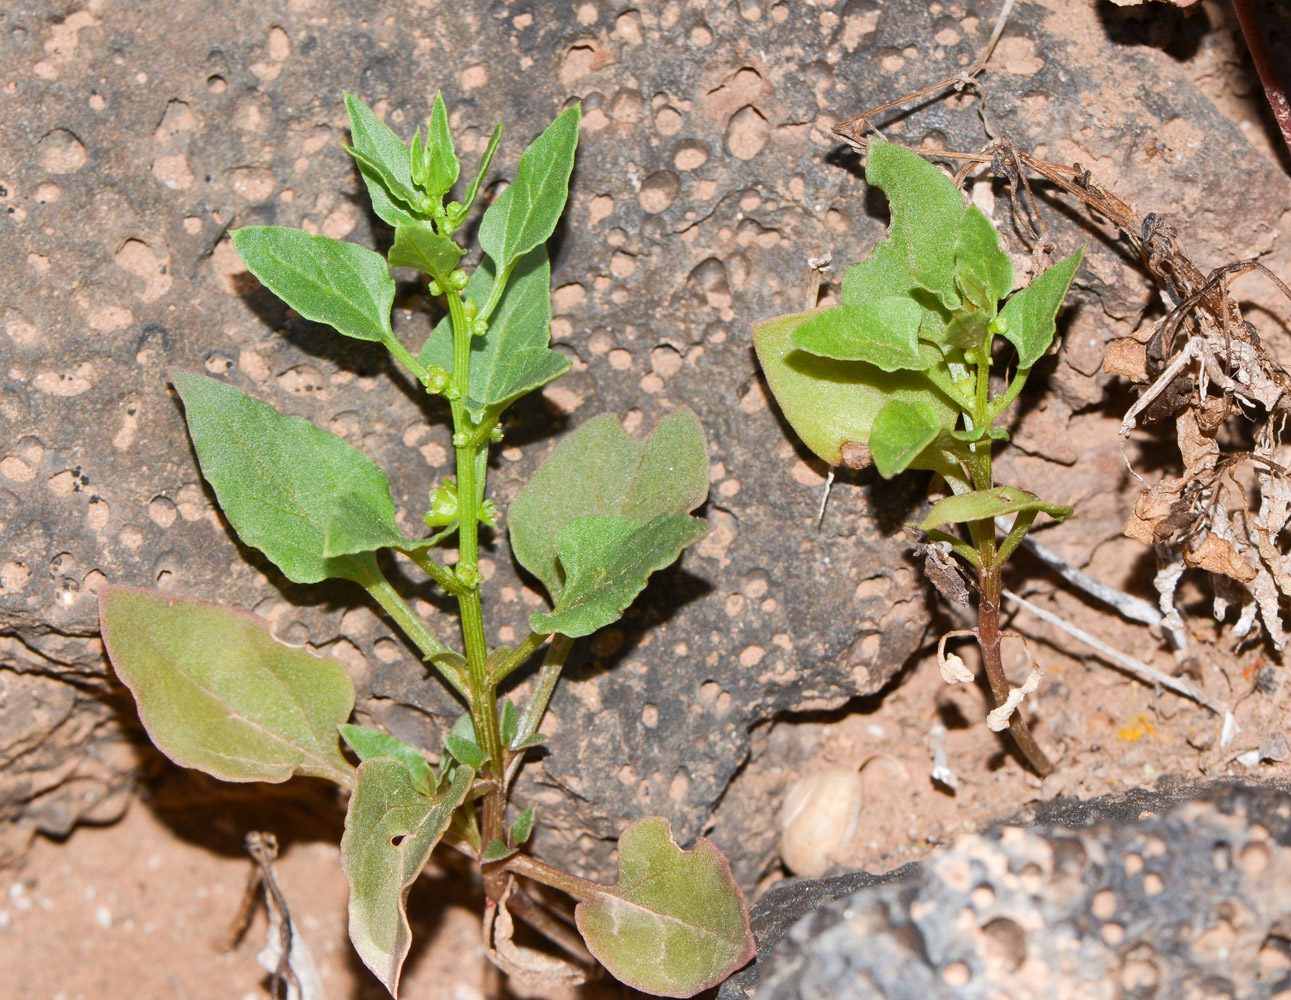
526, 213
513, 358
390, 829
302, 496
606, 560
217, 692
598, 470
675, 923
344, 285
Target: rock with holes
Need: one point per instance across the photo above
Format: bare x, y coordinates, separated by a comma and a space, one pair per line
1182, 893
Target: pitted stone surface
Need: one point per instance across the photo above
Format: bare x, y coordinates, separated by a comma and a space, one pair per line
1182, 893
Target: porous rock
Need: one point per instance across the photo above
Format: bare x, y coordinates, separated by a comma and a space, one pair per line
1181, 892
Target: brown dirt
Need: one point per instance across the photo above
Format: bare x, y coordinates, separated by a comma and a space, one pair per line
143, 907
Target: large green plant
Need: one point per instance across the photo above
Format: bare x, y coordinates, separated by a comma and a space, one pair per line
907, 373
217, 692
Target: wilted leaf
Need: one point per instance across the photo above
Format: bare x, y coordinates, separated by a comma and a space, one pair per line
607, 560
526, 213
217, 692
599, 469
513, 358
985, 505
676, 923
1027, 319
344, 285
300, 495
390, 830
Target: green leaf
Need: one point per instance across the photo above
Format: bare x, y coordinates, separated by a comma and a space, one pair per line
495, 850
526, 213
1027, 319
510, 723
455, 218
599, 469
300, 495
384, 163
461, 743
537, 739
217, 692
983, 271
927, 210
832, 404
985, 505
390, 830
883, 332
522, 826
442, 157
607, 560
369, 743
344, 285
675, 923
513, 358
416, 244
902, 430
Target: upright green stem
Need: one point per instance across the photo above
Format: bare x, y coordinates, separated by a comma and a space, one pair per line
484, 707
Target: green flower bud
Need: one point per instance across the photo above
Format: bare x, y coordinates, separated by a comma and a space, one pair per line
435, 380
461, 439
479, 327
470, 308
467, 576
443, 506
435, 290
488, 513
458, 279
495, 435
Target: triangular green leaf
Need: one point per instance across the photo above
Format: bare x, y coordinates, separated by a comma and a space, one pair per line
902, 430
369, 743
985, 505
983, 271
496, 850
526, 213
300, 495
456, 218
1027, 319
510, 722
606, 561
599, 469
217, 692
390, 181
462, 744
832, 404
675, 923
344, 285
927, 210
513, 358
883, 332
390, 830
416, 244
440, 154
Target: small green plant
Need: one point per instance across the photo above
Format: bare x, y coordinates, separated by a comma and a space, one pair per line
217, 692
899, 374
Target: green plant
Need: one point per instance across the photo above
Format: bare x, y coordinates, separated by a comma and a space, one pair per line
217, 692
900, 374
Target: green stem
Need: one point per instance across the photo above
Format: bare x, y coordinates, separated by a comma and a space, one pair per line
440, 574
567, 882
552, 664
518, 655
495, 295
375, 583
405, 357
1003, 402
